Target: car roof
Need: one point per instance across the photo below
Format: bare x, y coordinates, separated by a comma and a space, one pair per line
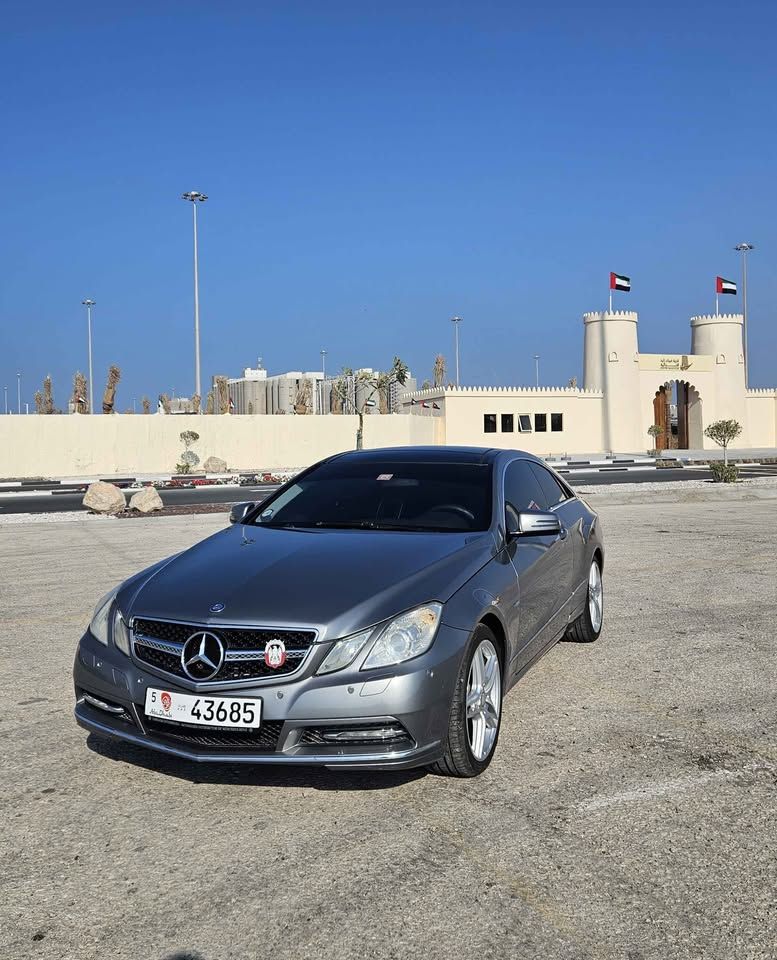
425, 454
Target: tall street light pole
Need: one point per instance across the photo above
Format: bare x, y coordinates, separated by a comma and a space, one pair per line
18, 393
323, 362
196, 197
89, 304
744, 249
5, 392
536, 369
456, 321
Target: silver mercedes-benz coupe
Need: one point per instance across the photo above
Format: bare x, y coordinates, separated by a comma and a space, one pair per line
373, 612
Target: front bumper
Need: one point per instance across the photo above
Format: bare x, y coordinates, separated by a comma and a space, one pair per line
297, 715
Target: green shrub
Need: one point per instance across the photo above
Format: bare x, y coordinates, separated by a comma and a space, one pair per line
724, 472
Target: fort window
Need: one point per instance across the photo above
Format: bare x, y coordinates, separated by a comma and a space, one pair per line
489, 423
507, 423
556, 422
541, 422
524, 423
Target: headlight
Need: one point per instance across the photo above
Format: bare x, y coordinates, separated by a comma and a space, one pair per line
406, 636
106, 614
120, 633
99, 624
344, 652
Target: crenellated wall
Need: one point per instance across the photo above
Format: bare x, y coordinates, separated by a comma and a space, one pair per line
462, 411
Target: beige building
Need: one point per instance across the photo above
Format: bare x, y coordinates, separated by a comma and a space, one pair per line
624, 393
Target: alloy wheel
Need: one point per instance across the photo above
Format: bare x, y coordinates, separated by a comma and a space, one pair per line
484, 699
595, 596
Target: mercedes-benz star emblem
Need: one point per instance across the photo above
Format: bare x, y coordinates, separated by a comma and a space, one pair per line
202, 656
217, 608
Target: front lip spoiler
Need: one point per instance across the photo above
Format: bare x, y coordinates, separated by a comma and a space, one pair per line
397, 760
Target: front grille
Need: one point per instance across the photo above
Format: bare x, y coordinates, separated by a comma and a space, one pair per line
265, 739
243, 646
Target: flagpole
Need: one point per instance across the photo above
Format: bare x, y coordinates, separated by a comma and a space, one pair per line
717, 304
610, 299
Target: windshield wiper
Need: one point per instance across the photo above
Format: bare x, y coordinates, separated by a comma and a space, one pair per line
279, 523
343, 524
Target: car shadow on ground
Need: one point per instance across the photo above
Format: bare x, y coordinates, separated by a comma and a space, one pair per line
251, 775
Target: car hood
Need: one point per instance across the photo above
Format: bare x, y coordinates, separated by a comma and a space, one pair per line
337, 581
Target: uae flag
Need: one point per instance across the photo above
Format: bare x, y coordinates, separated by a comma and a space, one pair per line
725, 286
617, 282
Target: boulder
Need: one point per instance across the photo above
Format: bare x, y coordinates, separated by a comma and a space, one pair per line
146, 500
101, 497
215, 465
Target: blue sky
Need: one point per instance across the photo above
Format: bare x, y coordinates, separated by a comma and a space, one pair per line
373, 169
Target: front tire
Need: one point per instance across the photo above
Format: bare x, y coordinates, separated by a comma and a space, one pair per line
588, 626
476, 711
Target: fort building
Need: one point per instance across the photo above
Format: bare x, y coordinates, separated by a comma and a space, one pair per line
624, 393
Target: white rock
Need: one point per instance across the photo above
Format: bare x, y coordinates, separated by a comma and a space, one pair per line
146, 500
102, 497
215, 465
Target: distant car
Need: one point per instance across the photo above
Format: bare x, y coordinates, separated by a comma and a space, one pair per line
373, 612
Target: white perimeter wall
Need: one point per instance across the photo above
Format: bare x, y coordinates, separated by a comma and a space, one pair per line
761, 418
72, 446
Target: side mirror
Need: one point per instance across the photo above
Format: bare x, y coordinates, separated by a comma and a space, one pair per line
512, 523
539, 524
238, 512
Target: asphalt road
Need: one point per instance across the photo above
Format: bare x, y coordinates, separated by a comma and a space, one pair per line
62, 502
629, 814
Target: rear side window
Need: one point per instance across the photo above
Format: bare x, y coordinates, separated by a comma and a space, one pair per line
553, 491
522, 488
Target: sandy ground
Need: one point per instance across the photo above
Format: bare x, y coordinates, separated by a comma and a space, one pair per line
629, 813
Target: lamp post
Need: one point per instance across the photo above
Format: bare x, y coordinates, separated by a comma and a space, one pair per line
323, 381
536, 369
5, 392
18, 393
89, 304
456, 321
744, 249
196, 197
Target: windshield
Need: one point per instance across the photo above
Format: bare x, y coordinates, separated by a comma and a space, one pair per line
374, 495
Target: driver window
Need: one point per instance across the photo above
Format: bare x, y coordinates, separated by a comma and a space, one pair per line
522, 488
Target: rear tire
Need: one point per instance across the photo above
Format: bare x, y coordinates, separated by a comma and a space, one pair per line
588, 626
476, 711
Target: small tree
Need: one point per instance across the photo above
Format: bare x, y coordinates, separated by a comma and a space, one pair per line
48, 396
723, 432
189, 458
109, 396
80, 399
655, 432
438, 371
380, 385
146, 405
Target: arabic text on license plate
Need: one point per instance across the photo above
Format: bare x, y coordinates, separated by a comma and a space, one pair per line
245, 712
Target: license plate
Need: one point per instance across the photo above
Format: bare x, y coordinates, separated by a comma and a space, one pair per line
240, 712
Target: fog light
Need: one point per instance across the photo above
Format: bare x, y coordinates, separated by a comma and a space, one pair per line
360, 734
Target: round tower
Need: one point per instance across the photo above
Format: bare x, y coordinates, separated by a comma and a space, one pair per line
611, 364
719, 336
